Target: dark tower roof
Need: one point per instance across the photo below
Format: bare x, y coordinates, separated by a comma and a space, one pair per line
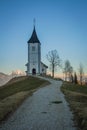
34, 38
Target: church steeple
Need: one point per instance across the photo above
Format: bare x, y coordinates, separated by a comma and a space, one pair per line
34, 65
34, 38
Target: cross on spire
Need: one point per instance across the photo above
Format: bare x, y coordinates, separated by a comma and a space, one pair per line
34, 38
34, 22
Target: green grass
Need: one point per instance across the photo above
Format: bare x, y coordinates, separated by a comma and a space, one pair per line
14, 92
26, 84
74, 87
76, 95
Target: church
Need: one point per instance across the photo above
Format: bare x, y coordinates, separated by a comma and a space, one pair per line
35, 66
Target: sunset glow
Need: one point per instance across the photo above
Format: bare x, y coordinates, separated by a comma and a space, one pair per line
60, 25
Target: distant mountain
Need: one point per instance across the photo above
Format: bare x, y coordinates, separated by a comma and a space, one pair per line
4, 78
2, 75
17, 73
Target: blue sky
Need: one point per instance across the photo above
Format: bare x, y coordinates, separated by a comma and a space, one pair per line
60, 25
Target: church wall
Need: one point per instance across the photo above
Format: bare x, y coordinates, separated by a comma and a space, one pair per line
34, 57
43, 69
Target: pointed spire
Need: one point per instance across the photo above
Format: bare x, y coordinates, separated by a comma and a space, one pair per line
34, 38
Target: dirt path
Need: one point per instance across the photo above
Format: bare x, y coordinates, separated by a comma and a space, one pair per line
39, 112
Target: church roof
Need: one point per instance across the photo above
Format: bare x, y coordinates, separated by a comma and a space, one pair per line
34, 38
44, 65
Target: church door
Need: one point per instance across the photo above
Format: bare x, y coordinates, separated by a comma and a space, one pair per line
33, 71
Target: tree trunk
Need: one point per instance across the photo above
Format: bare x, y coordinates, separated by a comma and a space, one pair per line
81, 79
53, 70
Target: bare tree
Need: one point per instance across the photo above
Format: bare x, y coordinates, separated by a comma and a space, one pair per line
54, 60
68, 70
81, 73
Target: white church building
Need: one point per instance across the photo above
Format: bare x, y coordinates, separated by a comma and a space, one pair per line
34, 65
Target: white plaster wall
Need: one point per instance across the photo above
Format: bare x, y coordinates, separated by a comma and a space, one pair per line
43, 68
34, 58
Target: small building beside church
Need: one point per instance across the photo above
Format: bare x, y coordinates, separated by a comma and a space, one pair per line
35, 66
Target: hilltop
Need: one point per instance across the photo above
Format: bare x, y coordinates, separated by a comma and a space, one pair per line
4, 78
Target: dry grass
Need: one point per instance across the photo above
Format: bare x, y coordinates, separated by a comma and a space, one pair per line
20, 84
9, 104
76, 95
15, 91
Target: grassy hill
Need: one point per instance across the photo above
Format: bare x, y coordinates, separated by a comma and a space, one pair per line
4, 78
15, 91
76, 95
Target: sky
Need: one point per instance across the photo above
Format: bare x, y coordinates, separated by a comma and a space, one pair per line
60, 25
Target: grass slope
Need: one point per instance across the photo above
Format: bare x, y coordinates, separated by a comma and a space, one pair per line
15, 91
76, 95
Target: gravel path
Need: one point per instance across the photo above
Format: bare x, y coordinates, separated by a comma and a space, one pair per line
39, 112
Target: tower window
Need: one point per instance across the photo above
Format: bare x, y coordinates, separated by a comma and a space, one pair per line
33, 48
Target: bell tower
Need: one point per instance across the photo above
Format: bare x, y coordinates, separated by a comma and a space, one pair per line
34, 54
